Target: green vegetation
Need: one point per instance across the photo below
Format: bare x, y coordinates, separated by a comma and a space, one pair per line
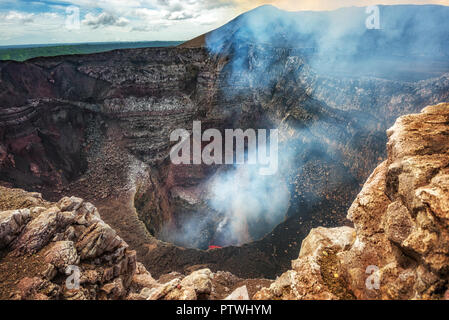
22, 53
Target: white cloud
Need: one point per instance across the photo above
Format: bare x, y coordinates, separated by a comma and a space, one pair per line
15, 16
111, 20
104, 20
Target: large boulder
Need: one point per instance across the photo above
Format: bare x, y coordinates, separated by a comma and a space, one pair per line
199, 281
316, 273
75, 244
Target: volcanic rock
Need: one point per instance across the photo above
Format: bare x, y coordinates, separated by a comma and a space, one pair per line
11, 225
99, 130
62, 254
200, 281
66, 251
313, 271
45, 242
399, 249
239, 294
105, 138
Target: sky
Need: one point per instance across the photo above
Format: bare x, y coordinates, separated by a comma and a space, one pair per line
80, 21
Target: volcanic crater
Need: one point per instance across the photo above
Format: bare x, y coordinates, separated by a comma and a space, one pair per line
98, 126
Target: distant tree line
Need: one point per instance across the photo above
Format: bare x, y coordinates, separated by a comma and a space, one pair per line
25, 53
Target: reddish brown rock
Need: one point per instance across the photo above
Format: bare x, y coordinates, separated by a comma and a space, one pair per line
36, 289
62, 254
400, 248
77, 246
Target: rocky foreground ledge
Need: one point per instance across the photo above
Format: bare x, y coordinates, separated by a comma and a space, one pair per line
66, 251
398, 248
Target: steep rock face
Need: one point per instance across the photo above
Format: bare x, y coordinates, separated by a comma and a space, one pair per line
49, 106
386, 99
398, 248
